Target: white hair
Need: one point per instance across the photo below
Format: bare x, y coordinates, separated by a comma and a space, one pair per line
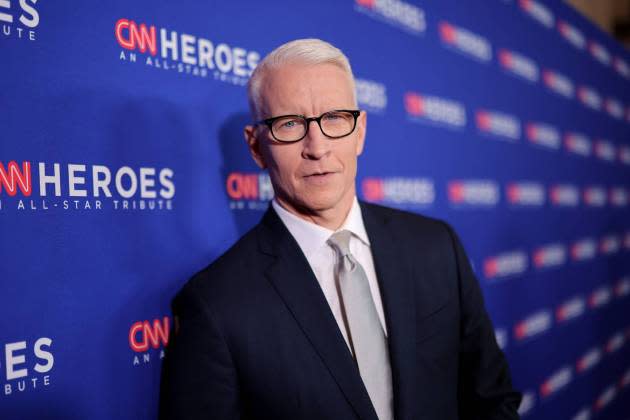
309, 51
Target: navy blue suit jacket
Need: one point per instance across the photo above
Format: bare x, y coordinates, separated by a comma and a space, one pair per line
256, 339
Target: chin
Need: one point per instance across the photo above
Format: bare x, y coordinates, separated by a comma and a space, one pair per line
319, 201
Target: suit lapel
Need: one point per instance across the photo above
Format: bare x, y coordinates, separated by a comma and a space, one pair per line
397, 291
295, 282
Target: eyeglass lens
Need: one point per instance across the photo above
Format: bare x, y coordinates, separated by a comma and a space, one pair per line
333, 124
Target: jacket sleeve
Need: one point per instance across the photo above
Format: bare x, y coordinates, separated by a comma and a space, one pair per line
484, 387
198, 377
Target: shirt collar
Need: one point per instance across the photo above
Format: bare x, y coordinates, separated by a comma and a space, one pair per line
311, 237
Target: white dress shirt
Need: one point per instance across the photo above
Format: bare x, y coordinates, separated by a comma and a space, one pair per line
321, 257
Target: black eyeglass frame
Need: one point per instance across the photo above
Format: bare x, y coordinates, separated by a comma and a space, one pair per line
269, 122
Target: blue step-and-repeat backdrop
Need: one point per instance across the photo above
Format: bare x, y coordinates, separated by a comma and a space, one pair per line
123, 171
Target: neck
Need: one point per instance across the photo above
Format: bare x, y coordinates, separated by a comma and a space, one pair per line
331, 218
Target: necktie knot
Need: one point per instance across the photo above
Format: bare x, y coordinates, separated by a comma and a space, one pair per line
340, 241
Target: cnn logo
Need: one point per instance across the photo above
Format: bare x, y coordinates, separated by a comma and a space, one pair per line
130, 36
145, 334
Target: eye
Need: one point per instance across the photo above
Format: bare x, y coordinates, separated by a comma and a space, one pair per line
286, 123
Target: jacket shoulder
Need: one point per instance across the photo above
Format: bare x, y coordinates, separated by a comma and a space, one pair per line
407, 220
237, 269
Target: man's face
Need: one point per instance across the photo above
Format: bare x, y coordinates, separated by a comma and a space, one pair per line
317, 174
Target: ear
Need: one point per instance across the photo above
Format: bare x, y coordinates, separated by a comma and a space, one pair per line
253, 143
361, 130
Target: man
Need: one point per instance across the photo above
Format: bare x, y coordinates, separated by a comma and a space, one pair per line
330, 308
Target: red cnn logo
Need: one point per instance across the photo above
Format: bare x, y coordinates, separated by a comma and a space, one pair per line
366, 3
448, 32
143, 333
526, 4
373, 189
456, 191
563, 28
130, 36
514, 193
484, 120
414, 104
532, 131
242, 186
520, 331
490, 267
505, 58
11, 178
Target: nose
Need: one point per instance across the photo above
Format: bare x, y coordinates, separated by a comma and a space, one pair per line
315, 145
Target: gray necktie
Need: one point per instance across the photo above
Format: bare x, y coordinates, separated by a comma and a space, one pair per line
364, 328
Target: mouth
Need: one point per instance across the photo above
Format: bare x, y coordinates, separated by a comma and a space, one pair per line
320, 174
319, 177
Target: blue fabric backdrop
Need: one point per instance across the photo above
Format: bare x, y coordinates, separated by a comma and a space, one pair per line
123, 171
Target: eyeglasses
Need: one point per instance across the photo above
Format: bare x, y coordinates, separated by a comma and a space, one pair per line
291, 128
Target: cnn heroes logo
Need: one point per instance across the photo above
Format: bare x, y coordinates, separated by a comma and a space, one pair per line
19, 19
406, 16
26, 365
84, 187
399, 190
184, 53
